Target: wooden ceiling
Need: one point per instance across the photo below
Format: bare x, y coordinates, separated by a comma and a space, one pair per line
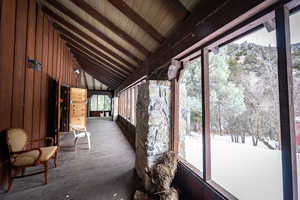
90, 83
111, 39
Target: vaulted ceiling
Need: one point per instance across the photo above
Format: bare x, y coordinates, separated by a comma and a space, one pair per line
110, 39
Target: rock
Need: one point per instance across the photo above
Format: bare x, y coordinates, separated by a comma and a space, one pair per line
138, 195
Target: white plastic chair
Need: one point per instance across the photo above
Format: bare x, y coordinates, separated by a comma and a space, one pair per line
80, 132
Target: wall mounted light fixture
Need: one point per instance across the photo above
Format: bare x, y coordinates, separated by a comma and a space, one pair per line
33, 64
77, 71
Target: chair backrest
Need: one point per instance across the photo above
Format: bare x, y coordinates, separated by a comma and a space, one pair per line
16, 139
77, 127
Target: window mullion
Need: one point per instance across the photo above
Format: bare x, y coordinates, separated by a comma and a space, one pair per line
287, 129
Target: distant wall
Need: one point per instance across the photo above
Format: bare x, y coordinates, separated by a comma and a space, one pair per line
25, 32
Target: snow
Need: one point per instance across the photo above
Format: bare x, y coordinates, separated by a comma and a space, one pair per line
245, 171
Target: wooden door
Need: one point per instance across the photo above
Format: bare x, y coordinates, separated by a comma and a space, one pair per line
78, 106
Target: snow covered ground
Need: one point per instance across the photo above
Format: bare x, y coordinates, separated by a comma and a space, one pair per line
248, 172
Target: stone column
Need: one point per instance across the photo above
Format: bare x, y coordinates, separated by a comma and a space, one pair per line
153, 126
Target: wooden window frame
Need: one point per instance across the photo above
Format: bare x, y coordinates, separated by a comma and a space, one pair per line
281, 11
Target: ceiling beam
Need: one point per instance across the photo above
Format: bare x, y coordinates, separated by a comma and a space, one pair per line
137, 19
82, 34
93, 57
80, 54
98, 68
208, 20
110, 25
97, 75
92, 29
67, 36
176, 8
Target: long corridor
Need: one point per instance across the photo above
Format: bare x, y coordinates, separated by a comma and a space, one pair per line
105, 172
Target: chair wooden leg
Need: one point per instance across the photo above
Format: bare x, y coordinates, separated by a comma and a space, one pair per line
10, 180
46, 172
55, 158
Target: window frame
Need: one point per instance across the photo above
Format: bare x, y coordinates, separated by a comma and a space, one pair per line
281, 12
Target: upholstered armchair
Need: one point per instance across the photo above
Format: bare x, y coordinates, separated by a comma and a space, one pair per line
21, 158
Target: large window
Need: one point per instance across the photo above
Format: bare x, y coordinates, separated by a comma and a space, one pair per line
190, 114
244, 117
100, 103
243, 121
295, 47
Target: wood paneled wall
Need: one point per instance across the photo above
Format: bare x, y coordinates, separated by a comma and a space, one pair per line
25, 32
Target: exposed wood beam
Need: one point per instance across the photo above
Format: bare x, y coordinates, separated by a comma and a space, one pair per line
98, 68
97, 75
209, 20
137, 19
110, 25
176, 8
85, 80
80, 54
92, 29
82, 34
93, 57
74, 39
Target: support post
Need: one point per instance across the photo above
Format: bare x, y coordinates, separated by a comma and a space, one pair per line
205, 114
287, 127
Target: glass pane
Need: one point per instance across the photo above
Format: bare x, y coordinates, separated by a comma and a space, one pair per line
107, 103
244, 118
94, 103
295, 43
190, 114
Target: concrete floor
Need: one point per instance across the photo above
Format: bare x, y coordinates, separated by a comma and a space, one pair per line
105, 172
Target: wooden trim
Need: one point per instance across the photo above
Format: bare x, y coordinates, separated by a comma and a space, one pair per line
76, 30
206, 115
286, 105
110, 25
92, 29
137, 19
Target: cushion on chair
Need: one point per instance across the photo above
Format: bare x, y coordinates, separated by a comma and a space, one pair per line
16, 139
29, 158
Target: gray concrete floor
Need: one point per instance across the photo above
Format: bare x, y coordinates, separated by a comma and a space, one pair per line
105, 172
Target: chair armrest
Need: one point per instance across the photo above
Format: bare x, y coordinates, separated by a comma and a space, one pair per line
43, 139
29, 150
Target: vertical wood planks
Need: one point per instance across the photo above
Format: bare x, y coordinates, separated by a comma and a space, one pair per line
28, 99
7, 40
19, 63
